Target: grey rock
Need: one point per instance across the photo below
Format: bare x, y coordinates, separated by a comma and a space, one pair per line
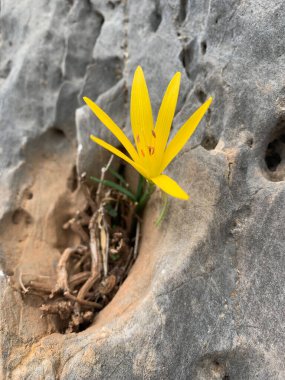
205, 299
112, 42
89, 156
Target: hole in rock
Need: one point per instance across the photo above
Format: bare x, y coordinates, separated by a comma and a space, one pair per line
155, 18
249, 142
57, 132
203, 47
201, 95
112, 4
275, 156
209, 141
72, 181
5, 71
182, 10
30, 195
21, 216
272, 157
182, 58
187, 56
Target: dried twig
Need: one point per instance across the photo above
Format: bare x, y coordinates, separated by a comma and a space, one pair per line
96, 259
62, 274
103, 171
82, 302
40, 286
137, 238
78, 278
104, 240
25, 290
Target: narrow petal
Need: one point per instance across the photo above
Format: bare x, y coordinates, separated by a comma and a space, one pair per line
141, 112
184, 133
166, 114
109, 123
171, 187
118, 153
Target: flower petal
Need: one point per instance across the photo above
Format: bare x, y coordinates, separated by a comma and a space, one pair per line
184, 133
141, 112
112, 126
166, 114
171, 187
118, 153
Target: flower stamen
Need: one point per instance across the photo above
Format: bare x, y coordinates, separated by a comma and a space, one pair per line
138, 139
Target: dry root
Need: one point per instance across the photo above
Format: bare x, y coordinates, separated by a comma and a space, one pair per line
89, 275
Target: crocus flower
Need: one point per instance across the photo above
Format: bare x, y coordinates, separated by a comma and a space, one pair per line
151, 154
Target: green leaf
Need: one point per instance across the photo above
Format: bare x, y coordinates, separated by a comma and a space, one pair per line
141, 183
117, 187
118, 176
150, 187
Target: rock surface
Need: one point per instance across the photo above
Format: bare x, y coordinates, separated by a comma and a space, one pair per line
205, 299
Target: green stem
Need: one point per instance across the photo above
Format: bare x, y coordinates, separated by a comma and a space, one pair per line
164, 209
140, 187
145, 196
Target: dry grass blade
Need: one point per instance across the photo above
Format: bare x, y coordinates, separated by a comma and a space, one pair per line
104, 240
82, 302
137, 238
103, 171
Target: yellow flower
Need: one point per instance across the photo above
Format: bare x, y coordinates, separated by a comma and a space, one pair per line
151, 154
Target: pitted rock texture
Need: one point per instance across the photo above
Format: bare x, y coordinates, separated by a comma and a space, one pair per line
205, 299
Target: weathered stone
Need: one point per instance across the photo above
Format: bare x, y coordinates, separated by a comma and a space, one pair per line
113, 102
205, 299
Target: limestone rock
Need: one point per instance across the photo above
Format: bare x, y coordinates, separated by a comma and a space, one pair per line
205, 299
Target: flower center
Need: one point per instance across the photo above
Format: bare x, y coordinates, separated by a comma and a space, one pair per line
148, 148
